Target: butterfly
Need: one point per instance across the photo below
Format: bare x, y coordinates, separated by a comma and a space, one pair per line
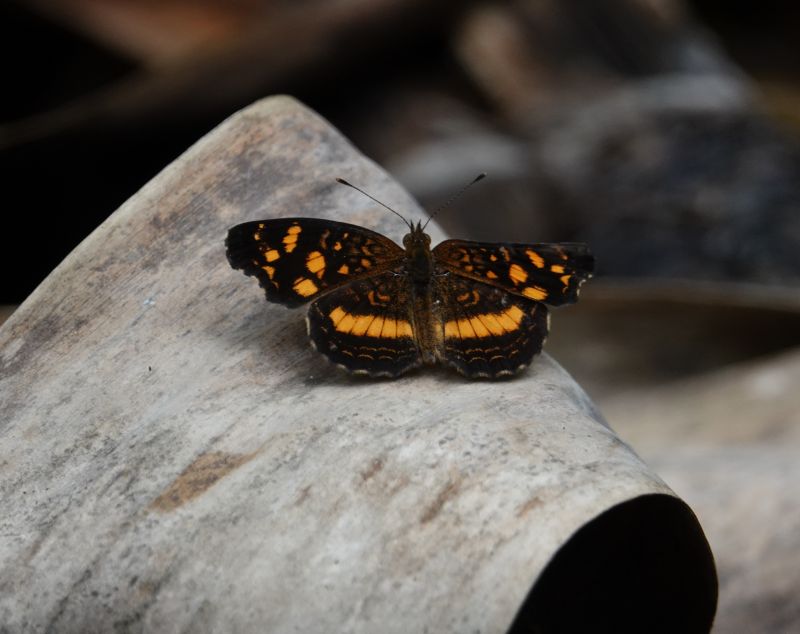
381, 309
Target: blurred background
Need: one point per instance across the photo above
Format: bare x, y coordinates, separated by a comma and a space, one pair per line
666, 133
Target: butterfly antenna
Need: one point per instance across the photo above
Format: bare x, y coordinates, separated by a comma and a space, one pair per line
454, 197
358, 189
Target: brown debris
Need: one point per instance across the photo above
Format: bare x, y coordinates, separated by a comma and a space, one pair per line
197, 478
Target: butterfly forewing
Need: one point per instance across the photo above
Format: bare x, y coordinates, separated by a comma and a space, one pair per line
297, 259
545, 272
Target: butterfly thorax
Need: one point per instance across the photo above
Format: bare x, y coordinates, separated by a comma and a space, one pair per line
419, 259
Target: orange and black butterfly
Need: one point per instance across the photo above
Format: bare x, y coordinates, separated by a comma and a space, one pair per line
381, 309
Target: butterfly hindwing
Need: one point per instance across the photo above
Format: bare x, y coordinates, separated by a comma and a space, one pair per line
487, 332
366, 326
551, 273
296, 259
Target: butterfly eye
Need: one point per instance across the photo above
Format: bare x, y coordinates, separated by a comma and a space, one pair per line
407, 240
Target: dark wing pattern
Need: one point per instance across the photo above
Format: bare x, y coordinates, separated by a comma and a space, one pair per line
487, 332
296, 259
367, 326
551, 273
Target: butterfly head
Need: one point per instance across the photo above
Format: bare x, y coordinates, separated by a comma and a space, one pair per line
417, 238
419, 260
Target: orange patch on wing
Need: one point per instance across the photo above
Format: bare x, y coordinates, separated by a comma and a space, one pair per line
478, 327
343, 270
357, 325
376, 327
337, 246
491, 274
492, 325
485, 325
272, 255
345, 324
510, 318
404, 329
337, 314
269, 270
534, 292
305, 287
382, 299
389, 329
565, 279
557, 268
290, 239
366, 263
515, 313
535, 258
517, 274
465, 330
361, 324
315, 262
